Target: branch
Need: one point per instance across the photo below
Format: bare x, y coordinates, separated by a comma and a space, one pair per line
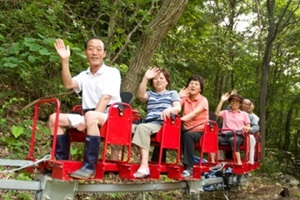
46, 97
129, 36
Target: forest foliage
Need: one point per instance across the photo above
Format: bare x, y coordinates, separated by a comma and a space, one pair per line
252, 46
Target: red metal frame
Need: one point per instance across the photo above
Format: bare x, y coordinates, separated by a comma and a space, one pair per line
257, 155
245, 147
35, 118
136, 115
117, 131
208, 144
168, 137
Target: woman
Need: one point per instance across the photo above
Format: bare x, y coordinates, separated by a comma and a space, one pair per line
195, 114
161, 103
233, 119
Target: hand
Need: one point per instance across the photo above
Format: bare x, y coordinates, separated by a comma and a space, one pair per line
62, 50
225, 96
151, 73
80, 126
233, 91
166, 113
184, 92
247, 129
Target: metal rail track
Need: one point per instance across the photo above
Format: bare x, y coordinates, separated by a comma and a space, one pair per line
47, 188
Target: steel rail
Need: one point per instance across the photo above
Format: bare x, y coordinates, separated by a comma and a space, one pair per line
20, 185
15, 163
49, 188
105, 188
141, 187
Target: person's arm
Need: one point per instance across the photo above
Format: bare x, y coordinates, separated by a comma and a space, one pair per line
110, 92
222, 100
141, 93
175, 109
64, 53
254, 125
247, 128
194, 113
103, 102
247, 122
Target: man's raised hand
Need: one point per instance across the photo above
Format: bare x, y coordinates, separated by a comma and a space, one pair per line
62, 50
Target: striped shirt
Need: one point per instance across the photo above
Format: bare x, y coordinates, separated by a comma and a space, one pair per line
158, 102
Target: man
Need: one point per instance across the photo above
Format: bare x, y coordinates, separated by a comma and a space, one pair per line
248, 107
98, 92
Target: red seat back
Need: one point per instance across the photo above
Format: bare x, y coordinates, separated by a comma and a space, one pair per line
117, 129
209, 140
168, 137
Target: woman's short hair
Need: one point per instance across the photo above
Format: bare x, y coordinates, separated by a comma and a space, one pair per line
166, 75
196, 78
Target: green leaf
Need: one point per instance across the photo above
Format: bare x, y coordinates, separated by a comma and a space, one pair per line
35, 47
44, 52
16, 48
17, 131
29, 40
31, 58
53, 58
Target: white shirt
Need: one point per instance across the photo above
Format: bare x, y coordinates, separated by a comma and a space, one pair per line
106, 81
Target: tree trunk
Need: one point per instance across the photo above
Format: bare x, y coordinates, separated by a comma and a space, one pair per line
273, 31
265, 74
287, 132
155, 32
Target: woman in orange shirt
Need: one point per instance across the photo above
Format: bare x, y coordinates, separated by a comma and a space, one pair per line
195, 113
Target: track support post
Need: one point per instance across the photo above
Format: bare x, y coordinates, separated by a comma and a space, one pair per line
195, 187
53, 189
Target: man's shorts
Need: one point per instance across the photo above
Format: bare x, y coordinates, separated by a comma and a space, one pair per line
76, 119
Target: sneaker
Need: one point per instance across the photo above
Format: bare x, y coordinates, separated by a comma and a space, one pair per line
187, 173
250, 162
217, 167
142, 173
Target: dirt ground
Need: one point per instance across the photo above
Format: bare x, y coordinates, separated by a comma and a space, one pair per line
258, 187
